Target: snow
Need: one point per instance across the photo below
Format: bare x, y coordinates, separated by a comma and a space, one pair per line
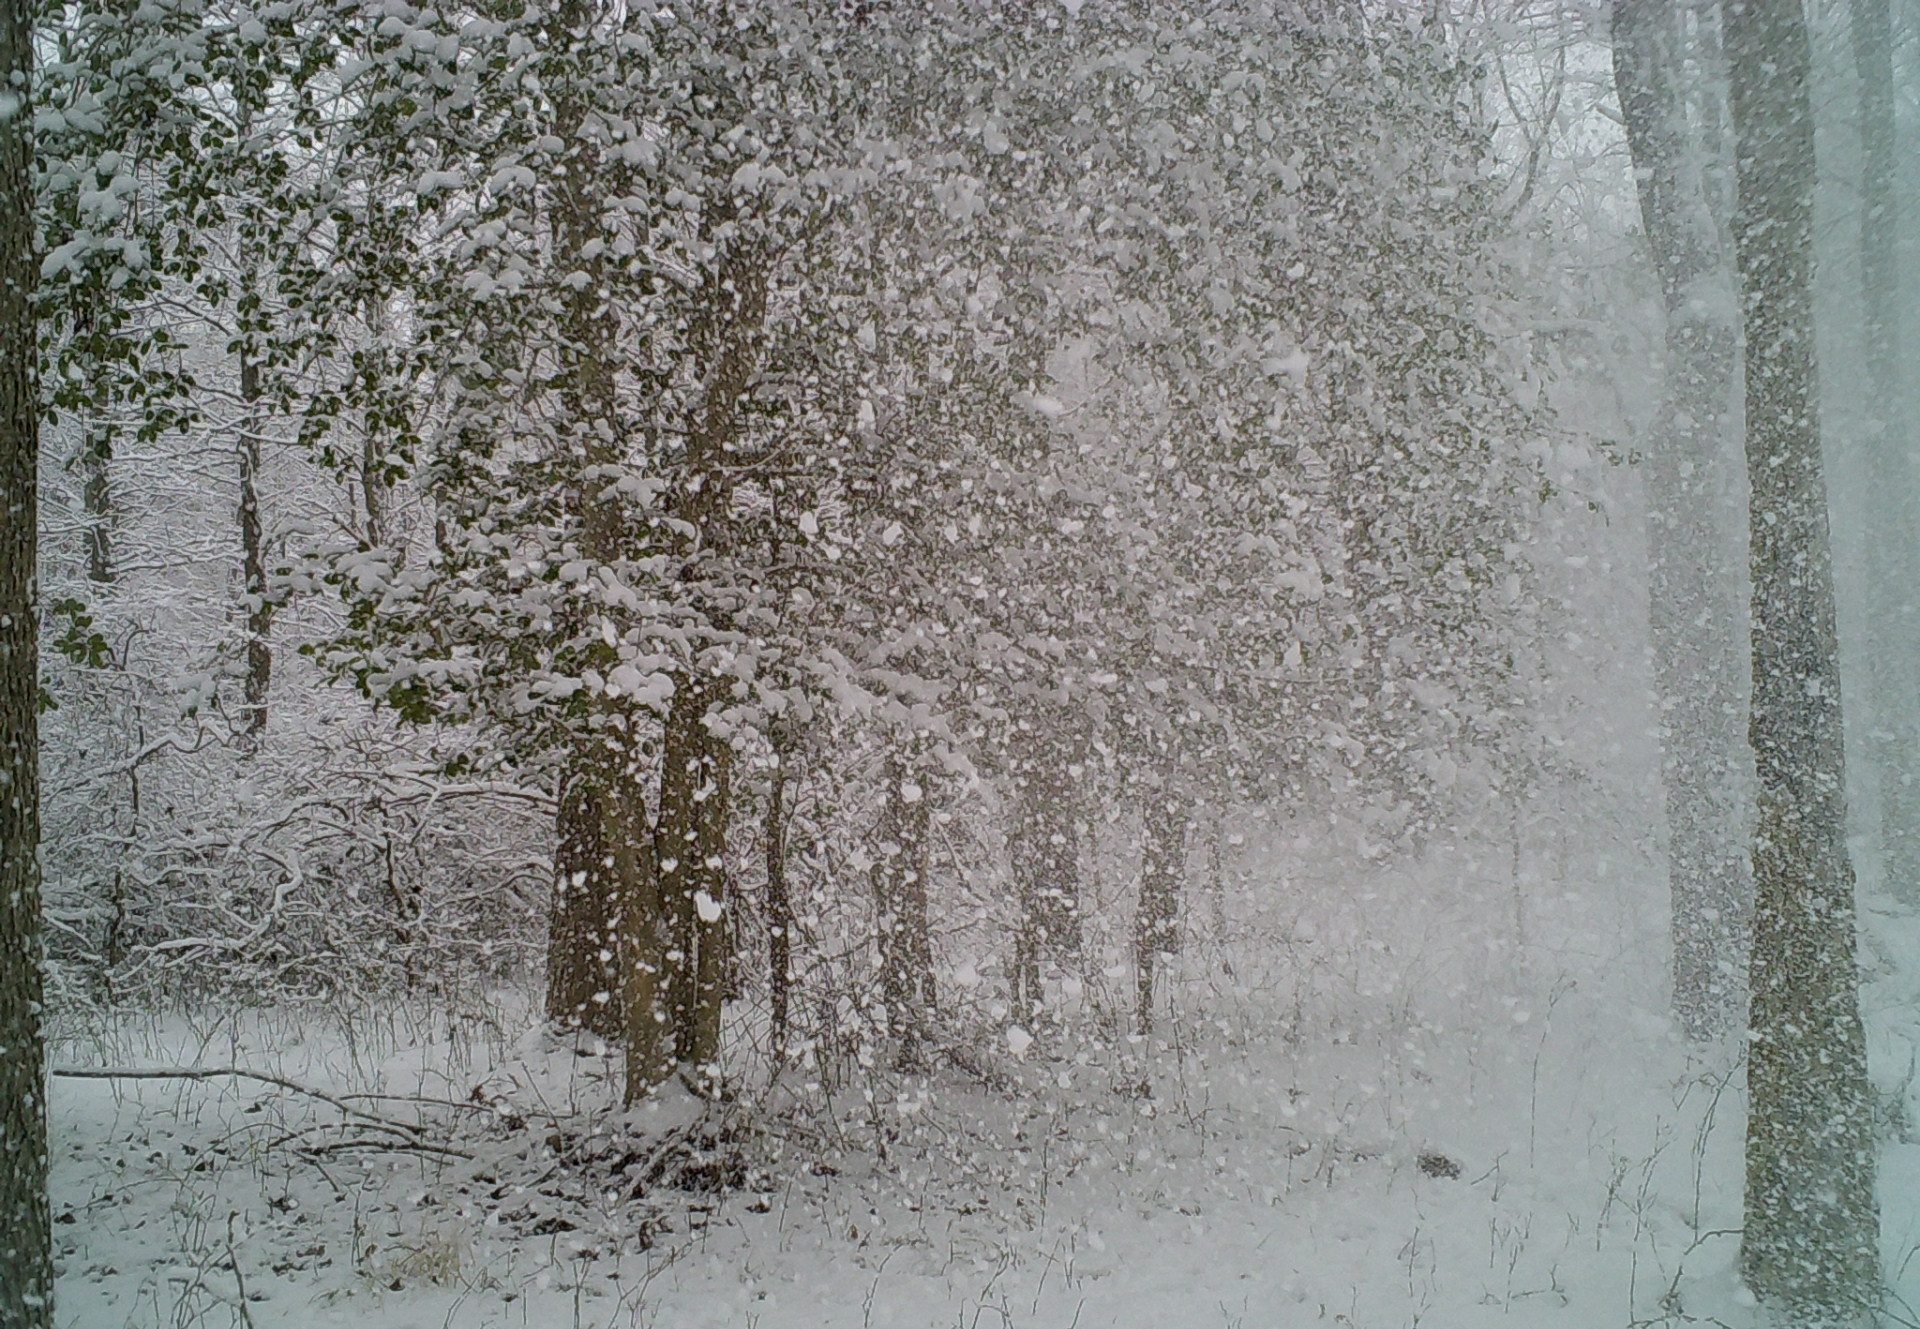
1284, 1165
1027, 463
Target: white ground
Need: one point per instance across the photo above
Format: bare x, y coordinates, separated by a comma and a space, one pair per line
1271, 1178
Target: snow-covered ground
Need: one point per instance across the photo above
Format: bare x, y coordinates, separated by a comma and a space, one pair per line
1380, 1116
1439, 1091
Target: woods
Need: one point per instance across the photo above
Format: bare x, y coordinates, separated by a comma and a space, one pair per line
1001, 612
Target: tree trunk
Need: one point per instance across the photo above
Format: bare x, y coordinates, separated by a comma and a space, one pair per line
628, 898
373, 480
644, 940
96, 497
916, 902
583, 967
253, 553
1694, 613
1163, 865
713, 911
1045, 847
900, 906
695, 806
1894, 619
779, 899
96, 490
26, 1263
1216, 833
676, 842
1810, 1243
696, 803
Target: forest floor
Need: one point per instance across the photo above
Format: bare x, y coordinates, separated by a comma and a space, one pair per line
1381, 1117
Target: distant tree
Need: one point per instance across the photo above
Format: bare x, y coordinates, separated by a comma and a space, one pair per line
1810, 1243
1891, 466
26, 1262
1693, 610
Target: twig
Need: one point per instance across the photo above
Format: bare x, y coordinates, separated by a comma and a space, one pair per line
239, 1279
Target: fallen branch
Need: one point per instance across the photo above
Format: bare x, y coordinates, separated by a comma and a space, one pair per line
319, 1150
228, 1072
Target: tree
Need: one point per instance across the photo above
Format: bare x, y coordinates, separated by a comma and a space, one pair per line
1811, 1237
26, 1260
593, 888
1890, 464
617, 243
738, 340
1694, 614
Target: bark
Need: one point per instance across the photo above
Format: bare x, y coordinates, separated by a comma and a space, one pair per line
901, 922
91, 460
695, 785
1165, 819
26, 1264
1893, 743
644, 941
1810, 1241
583, 943
675, 836
405, 900
1045, 847
253, 555
96, 491
712, 915
917, 901
1216, 833
373, 482
372, 494
623, 894
779, 899
96, 498
1694, 616
691, 840
1028, 945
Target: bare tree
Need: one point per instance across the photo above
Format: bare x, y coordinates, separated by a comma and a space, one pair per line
1810, 1243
